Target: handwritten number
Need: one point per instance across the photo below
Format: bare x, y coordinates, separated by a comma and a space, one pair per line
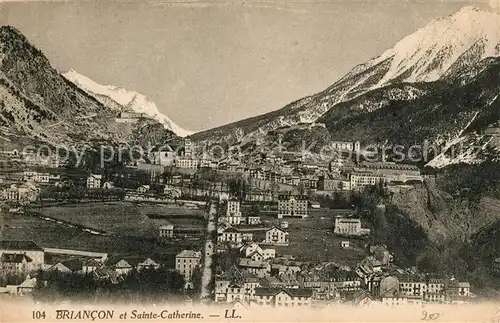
434, 316
429, 317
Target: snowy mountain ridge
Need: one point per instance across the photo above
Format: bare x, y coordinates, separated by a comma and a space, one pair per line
446, 47
433, 49
129, 100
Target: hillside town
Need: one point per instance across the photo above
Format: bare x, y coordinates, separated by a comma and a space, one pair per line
220, 159
259, 275
171, 171
259, 214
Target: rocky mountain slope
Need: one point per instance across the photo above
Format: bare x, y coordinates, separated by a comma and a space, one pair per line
39, 103
449, 225
447, 49
444, 114
124, 100
445, 217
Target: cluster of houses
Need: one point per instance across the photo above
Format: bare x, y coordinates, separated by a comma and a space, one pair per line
234, 229
287, 282
33, 157
283, 171
232, 237
22, 193
260, 276
25, 187
25, 258
284, 282
272, 174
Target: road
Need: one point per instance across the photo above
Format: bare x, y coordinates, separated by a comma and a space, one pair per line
206, 293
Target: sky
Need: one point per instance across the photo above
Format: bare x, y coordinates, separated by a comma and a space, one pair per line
209, 64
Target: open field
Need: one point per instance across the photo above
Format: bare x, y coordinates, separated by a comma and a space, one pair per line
50, 234
171, 211
126, 229
123, 218
312, 239
116, 218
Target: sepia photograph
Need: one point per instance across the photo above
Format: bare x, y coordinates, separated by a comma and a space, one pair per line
250, 161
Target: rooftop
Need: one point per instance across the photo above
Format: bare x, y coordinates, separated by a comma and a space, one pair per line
347, 220
122, 264
245, 262
189, 254
284, 197
19, 245
294, 292
73, 264
15, 258
276, 229
91, 263
166, 225
379, 165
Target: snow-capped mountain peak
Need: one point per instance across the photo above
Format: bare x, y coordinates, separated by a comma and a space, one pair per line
431, 51
447, 48
130, 100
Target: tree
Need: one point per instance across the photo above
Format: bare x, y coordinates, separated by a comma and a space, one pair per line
239, 187
197, 280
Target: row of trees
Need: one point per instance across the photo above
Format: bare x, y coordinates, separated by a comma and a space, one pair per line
144, 285
8, 277
365, 199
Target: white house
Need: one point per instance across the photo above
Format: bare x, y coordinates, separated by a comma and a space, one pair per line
90, 265
231, 235
36, 177
186, 262
276, 297
122, 267
253, 220
166, 230
347, 226
25, 192
276, 236
148, 263
233, 213
68, 266
292, 206
187, 163
27, 286
171, 192
94, 181
108, 185
25, 248
15, 262
256, 267
164, 156
250, 248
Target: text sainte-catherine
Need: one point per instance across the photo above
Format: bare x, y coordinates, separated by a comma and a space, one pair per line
134, 314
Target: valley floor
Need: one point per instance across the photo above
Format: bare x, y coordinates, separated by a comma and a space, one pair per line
119, 229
